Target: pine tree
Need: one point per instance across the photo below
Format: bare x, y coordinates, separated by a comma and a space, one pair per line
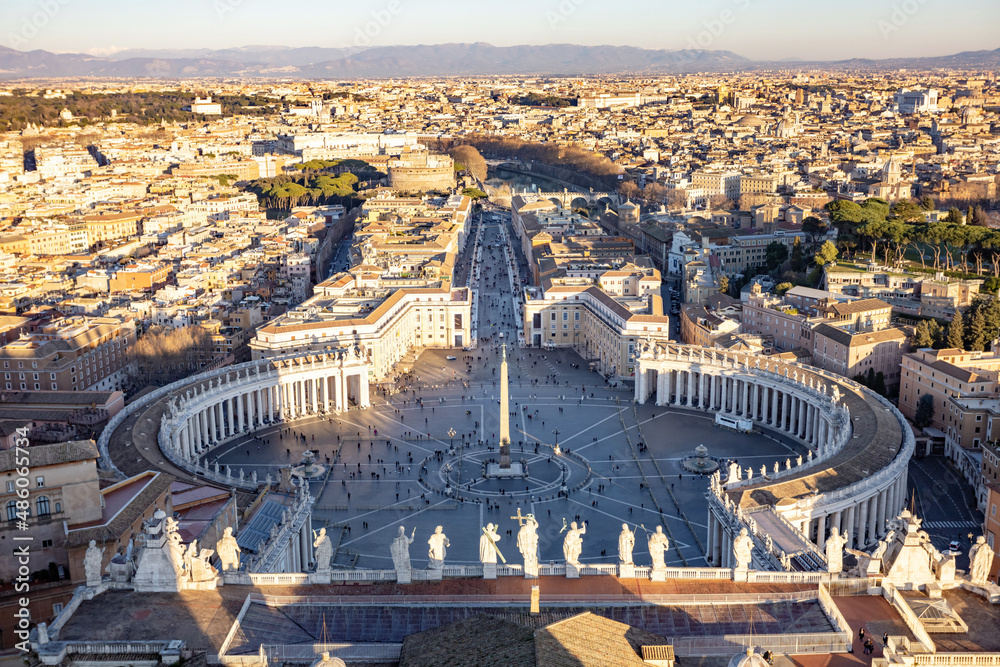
976, 335
922, 336
956, 332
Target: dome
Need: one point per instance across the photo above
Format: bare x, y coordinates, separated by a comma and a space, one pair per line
751, 120
748, 659
326, 661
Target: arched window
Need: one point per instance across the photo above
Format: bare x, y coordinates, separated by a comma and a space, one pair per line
58, 507
11, 510
42, 505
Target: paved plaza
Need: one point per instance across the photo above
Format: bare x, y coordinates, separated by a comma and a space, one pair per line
416, 457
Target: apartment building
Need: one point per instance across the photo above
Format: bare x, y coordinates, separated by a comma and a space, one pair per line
70, 354
713, 183
850, 353
386, 329
602, 328
909, 293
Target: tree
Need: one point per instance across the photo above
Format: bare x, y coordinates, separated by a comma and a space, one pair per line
826, 254
797, 259
954, 216
781, 288
721, 203
814, 227
475, 164
654, 193
975, 336
724, 285
956, 331
878, 384
474, 193
927, 203
907, 211
775, 255
925, 411
922, 336
628, 189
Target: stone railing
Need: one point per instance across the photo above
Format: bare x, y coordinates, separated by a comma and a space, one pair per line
891, 594
786, 643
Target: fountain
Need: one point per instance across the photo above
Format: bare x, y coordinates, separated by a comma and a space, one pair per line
701, 463
308, 468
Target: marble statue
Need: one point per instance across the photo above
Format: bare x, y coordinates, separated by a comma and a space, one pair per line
835, 551
527, 544
400, 550
626, 542
573, 544
788, 464
742, 548
980, 561
196, 565
734, 472
228, 550
776, 468
253, 477
763, 471
488, 544
798, 461
786, 561
809, 454
92, 563
749, 474
658, 546
324, 551
439, 544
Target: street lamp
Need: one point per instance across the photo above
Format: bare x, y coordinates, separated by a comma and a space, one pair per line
556, 432
451, 435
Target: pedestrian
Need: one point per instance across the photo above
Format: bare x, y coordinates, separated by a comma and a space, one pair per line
861, 634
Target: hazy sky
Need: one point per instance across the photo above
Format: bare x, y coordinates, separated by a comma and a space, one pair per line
761, 29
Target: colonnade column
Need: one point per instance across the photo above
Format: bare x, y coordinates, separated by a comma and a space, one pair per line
849, 527
712, 380
690, 388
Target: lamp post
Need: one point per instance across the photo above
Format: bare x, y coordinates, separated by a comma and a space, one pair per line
451, 436
556, 433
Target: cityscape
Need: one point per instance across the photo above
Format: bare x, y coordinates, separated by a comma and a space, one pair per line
405, 335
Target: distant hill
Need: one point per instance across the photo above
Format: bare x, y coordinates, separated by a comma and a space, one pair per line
429, 60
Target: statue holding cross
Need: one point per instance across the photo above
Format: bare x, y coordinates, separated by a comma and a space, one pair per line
527, 543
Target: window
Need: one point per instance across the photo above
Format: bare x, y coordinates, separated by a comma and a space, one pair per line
42, 505
57, 607
39, 482
10, 486
11, 510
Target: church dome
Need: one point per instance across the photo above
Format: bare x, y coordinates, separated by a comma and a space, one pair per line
325, 660
751, 120
748, 659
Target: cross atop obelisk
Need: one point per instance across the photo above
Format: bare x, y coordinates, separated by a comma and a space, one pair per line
504, 413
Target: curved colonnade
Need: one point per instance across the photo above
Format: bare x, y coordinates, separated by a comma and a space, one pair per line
859, 446
204, 411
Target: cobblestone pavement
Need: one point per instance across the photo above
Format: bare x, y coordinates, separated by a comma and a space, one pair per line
392, 464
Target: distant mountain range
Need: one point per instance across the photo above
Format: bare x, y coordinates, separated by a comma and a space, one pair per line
429, 60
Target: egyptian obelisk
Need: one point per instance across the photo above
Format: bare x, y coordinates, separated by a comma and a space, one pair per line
504, 414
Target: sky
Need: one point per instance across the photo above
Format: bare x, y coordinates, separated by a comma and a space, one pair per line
757, 29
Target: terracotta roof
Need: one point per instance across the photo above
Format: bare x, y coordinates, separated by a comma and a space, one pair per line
482, 640
591, 640
54, 454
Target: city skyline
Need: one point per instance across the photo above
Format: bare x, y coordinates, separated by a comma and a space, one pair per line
777, 30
